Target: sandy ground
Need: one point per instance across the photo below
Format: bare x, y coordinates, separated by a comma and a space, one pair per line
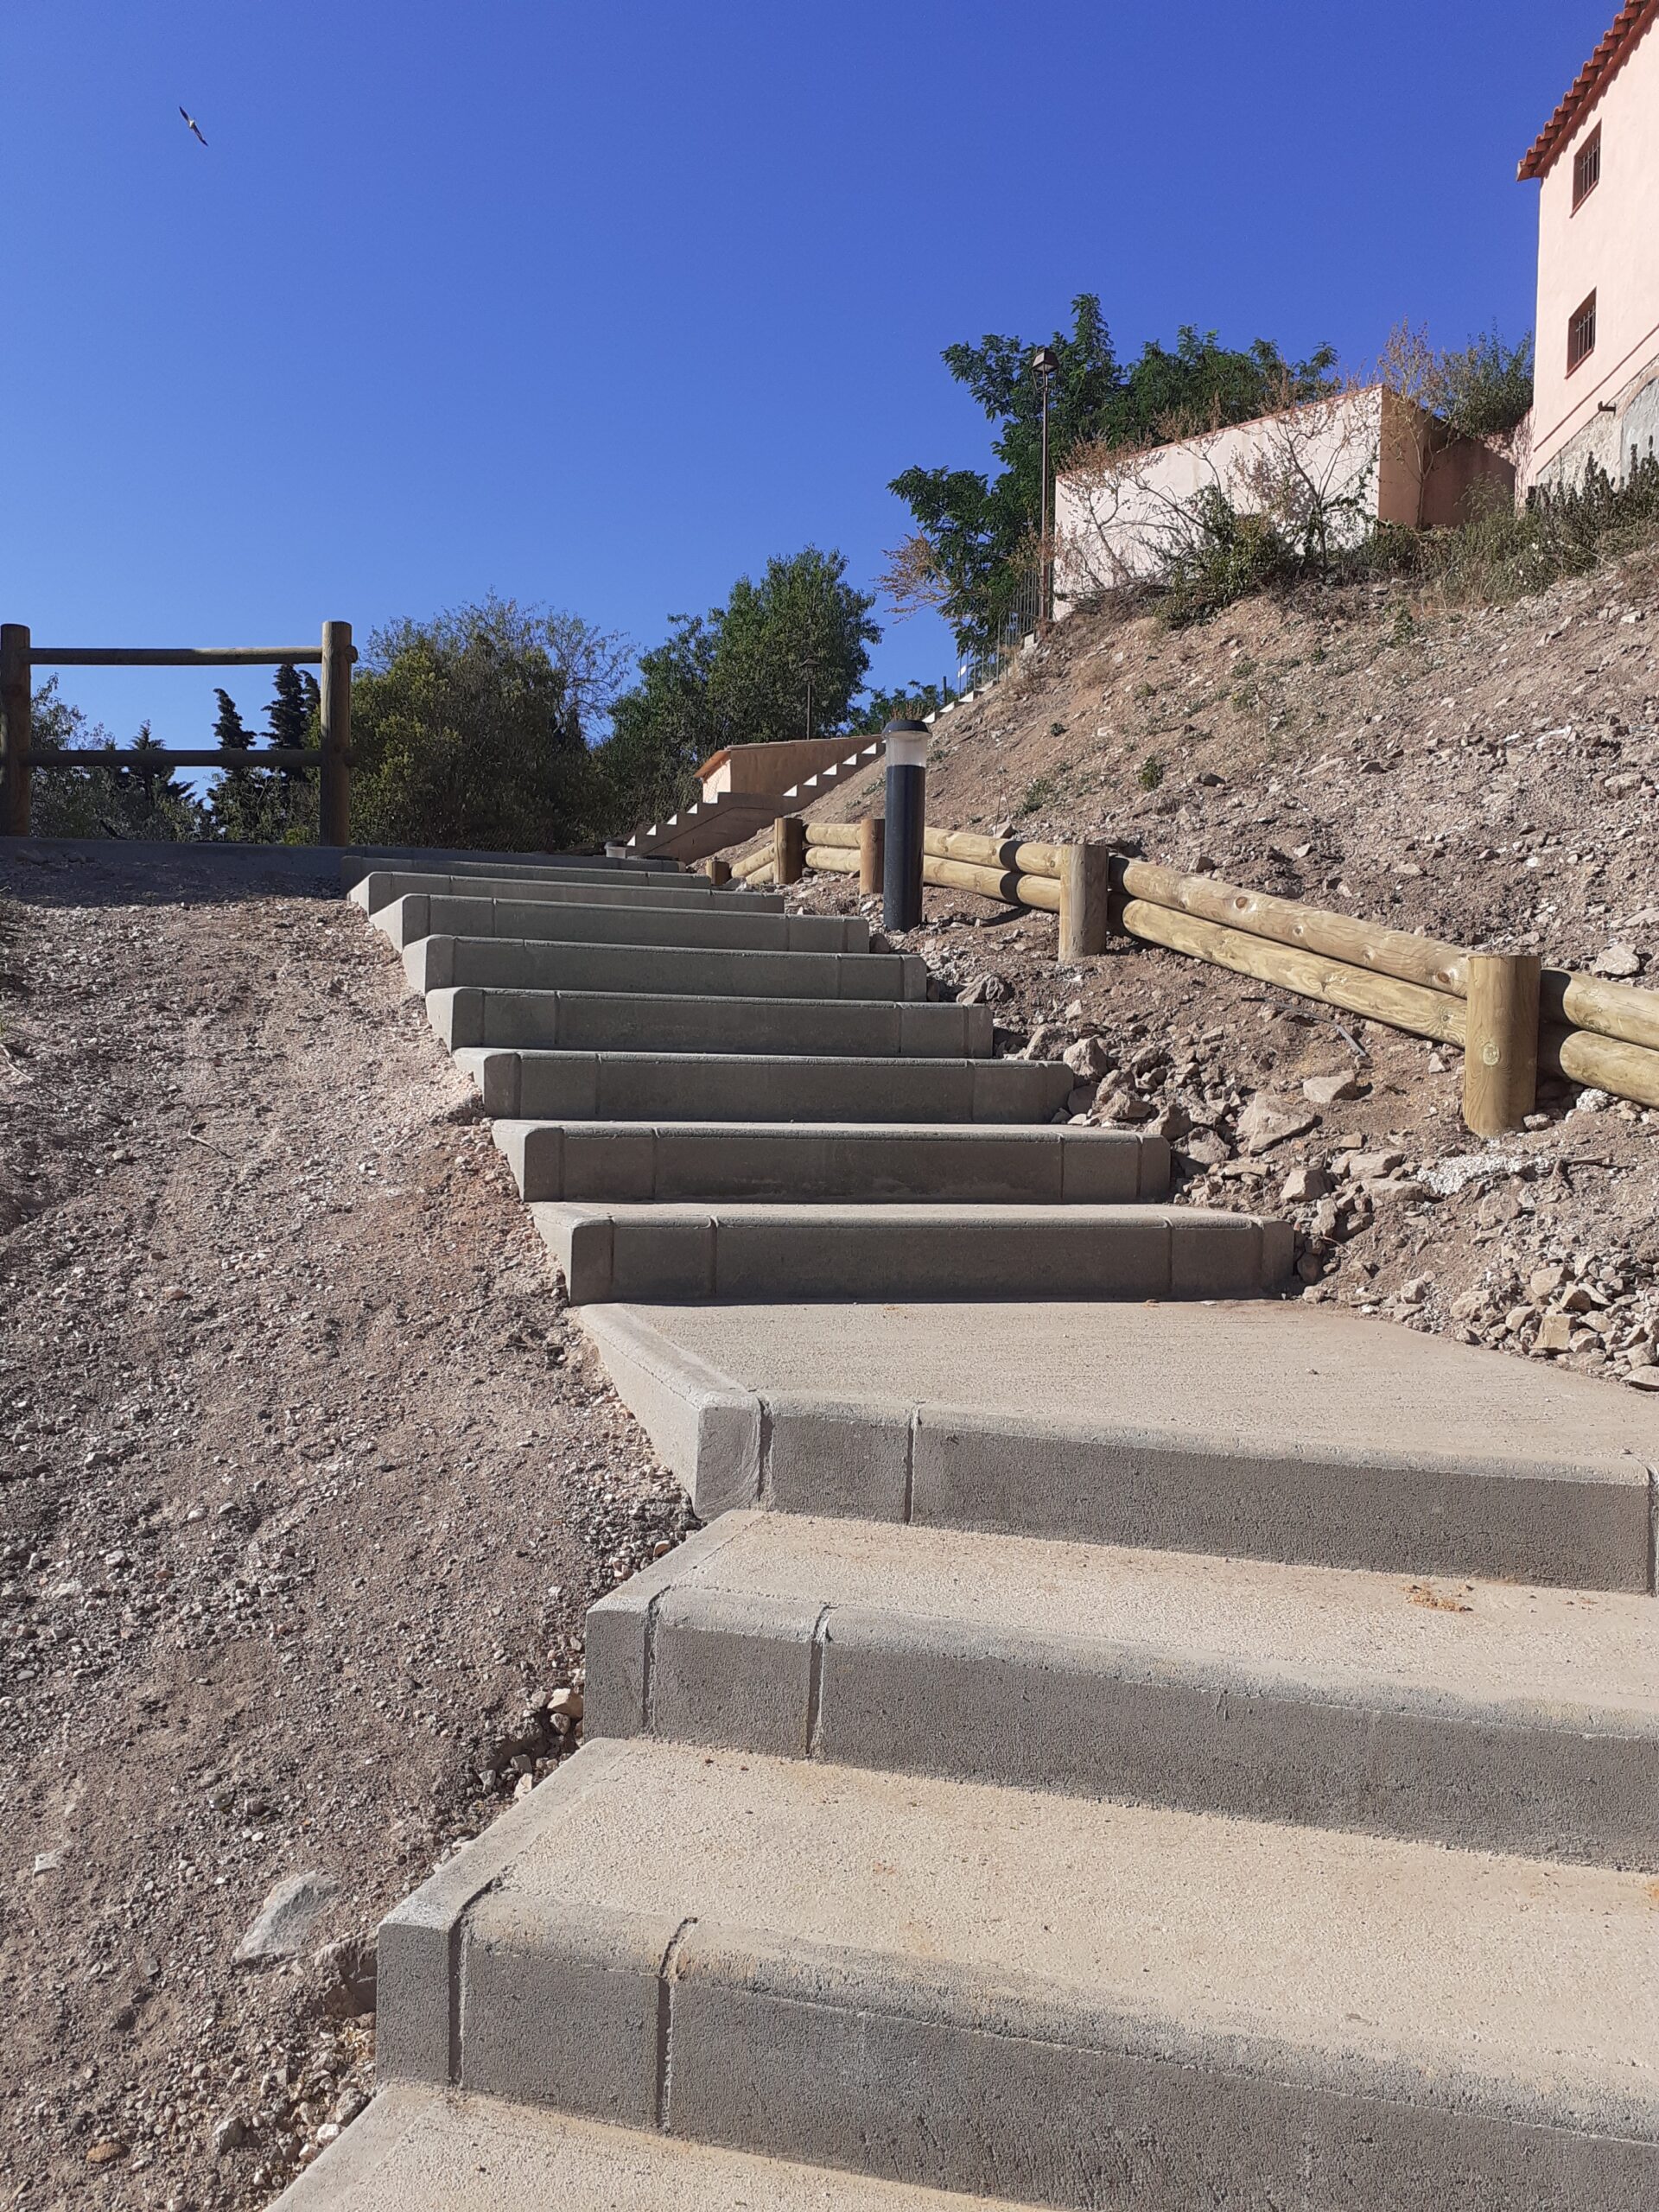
305, 1482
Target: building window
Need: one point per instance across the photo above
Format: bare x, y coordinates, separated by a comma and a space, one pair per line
1580, 333
1586, 168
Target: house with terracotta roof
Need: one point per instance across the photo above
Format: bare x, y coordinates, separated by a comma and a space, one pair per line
1596, 390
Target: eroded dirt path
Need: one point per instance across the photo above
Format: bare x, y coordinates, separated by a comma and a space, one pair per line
305, 1482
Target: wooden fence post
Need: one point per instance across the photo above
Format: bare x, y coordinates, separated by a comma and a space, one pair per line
1500, 1053
15, 707
871, 855
788, 848
719, 872
1086, 886
334, 792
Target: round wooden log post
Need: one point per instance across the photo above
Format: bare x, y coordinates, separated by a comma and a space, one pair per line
14, 710
871, 855
1500, 1051
718, 871
788, 849
334, 794
1085, 888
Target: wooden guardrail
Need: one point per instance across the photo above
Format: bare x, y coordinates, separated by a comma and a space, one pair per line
1511, 1015
331, 756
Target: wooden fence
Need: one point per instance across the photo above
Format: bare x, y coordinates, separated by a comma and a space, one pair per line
331, 756
1511, 1015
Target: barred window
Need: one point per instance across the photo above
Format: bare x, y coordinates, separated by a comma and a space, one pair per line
1586, 168
1580, 333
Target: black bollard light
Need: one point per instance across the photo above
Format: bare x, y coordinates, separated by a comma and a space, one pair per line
901, 875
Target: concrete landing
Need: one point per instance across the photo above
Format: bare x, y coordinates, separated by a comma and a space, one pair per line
925, 1249
1035, 1995
1488, 1715
1280, 1432
426, 2151
814, 1160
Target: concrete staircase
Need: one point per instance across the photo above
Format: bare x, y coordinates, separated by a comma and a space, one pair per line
713, 822
1102, 1748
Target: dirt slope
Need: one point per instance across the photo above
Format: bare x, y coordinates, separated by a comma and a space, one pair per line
1488, 776
305, 1482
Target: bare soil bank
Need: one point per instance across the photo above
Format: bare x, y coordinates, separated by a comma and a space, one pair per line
305, 1482
1487, 775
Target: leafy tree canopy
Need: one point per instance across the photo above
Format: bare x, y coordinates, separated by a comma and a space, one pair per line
468, 730
783, 659
975, 533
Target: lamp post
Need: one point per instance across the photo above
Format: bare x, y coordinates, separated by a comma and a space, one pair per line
901, 878
1043, 361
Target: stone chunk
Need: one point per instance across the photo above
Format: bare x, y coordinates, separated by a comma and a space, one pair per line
1617, 960
286, 1918
1090, 1059
1303, 1184
1330, 1090
1269, 1120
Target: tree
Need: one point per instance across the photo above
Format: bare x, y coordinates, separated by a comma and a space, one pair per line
976, 535
783, 659
468, 729
100, 800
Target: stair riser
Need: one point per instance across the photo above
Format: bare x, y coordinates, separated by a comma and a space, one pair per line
437, 962
551, 1160
600, 1023
943, 2077
857, 1688
715, 928
677, 893
1494, 1522
742, 1260
686, 1087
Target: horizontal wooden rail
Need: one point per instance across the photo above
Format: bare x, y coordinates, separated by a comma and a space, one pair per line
1588, 1030
172, 656
164, 756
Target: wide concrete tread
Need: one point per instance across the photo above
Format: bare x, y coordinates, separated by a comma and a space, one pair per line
988, 1164
1278, 1431
637, 921
418, 2150
927, 1249
380, 886
692, 1023
980, 1987
710, 971
1484, 1714
703, 1086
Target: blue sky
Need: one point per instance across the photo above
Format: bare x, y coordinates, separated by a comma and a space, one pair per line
602, 304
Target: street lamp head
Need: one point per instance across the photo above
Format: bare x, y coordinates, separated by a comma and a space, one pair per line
906, 739
1044, 360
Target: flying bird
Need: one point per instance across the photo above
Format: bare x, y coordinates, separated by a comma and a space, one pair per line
195, 128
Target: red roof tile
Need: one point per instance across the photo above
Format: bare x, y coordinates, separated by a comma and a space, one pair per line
1588, 87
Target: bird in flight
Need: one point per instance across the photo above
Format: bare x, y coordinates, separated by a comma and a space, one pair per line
195, 128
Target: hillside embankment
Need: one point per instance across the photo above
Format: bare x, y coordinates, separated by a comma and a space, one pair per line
1486, 775
306, 1481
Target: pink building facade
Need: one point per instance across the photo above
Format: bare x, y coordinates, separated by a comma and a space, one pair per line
1596, 395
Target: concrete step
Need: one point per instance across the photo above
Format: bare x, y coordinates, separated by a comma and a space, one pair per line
1068, 2002
808, 1160
418, 2150
624, 1021
1490, 1716
420, 914
534, 964
673, 1086
1278, 1432
748, 1251
566, 886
